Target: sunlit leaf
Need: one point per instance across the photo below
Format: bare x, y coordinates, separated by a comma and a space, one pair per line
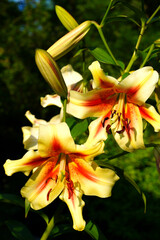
94, 231
70, 121
19, 230
79, 128
102, 56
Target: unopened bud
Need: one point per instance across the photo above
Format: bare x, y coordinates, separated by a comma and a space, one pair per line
50, 71
69, 41
66, 19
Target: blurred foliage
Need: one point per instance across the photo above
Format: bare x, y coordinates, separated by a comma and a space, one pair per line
27, 25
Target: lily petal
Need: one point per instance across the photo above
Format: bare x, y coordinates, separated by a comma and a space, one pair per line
75, 205
70, 76
55, 139
26, 164
100, 79
43, 186
30, 138
97, 132
95, 103
132, 137
149, 113
51, 100
89, 151
140, 84
93, 180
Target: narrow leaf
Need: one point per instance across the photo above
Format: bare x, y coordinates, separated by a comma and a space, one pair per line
19, 230
94, 231
125, 176
27, 207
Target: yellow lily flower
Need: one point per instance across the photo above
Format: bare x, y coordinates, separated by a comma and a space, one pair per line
119, 106
62, 168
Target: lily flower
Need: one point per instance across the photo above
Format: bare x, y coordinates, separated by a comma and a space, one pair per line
119, 105
62, 168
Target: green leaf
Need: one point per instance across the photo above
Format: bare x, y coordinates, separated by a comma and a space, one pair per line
121, 18
16, 200
27, 207
138, 12
124, 176
94, 231
79, 128
59, 230
19, 230
102, 56
11, 198
70, 121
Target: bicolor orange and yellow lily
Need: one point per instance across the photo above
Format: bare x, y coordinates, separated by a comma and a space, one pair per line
119, 105
61, 167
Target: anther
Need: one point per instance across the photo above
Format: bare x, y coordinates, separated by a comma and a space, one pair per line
122, 130
108, 129
105, 119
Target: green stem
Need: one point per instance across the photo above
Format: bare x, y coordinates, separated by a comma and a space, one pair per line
134, 56
148, 55
106, 13
152, 16
64, 110
105, 43
48, 229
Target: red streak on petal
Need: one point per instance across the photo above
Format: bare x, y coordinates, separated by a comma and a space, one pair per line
56, 146
145, 113
50, 174
83, 171
36, 161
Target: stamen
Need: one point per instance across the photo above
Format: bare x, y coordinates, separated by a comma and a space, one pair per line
113, 113
103, 123
108, 130
122, 130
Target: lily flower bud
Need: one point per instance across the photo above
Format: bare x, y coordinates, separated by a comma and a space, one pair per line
66, 19
69, 41
50, 71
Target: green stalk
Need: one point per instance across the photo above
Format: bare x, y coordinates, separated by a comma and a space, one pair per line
143, 27
134, 56
148, 55
48, 229
152, 16
64, 102
106, 13
99, 28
